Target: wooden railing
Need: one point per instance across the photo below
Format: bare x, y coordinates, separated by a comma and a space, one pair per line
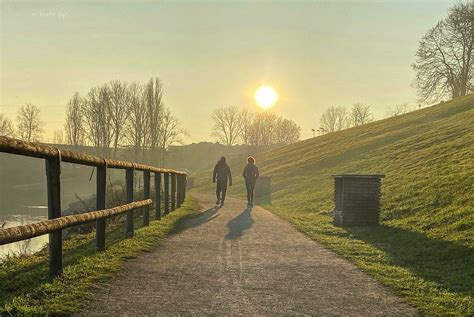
56, 222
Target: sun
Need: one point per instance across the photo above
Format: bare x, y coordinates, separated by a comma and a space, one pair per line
266, 97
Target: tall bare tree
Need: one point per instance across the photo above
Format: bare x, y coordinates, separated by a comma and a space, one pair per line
171, 133
6, 126
153, 94
226, 124
360, 114
334, 119
74, 125
137, 124
29, 123
95, 109
246, 119
118, 97
445, 57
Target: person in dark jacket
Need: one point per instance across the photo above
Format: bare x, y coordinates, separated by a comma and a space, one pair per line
222, 175
250, 174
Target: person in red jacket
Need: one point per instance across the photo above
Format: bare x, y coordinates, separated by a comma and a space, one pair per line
250, 174
222, 175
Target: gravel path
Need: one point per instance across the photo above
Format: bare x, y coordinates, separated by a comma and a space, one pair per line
236, 261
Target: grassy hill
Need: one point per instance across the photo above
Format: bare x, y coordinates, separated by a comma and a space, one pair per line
424, 247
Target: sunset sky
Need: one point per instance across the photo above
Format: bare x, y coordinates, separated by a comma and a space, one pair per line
214, 53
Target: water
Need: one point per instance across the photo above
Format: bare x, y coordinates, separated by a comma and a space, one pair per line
27, 246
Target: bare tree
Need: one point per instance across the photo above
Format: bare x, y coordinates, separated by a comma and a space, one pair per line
29, 123
360, 114
137, 123
95, 109
6, 126
398, 110
334, 119
445, 57
118, 98
246, 119
226, 124
171, 133
74, 125
153, 93
286, 131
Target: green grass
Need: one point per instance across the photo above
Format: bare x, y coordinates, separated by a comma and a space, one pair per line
424, 247
27, 289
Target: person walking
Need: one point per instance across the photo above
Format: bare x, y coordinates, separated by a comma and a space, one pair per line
250, 174
222, 175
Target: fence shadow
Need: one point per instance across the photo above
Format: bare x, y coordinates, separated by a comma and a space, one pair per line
239, 224
448, 264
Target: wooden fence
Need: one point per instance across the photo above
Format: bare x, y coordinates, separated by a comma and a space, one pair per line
56, 222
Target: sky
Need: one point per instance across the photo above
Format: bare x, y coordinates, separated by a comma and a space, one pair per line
209, 54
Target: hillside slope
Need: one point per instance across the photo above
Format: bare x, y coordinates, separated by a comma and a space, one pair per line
424, 247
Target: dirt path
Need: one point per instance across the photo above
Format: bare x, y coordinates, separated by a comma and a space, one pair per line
236, 261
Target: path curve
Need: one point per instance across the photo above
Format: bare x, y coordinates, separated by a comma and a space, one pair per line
236, 261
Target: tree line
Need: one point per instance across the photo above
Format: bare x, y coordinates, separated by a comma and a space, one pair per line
233, 125
119, 114
28, 125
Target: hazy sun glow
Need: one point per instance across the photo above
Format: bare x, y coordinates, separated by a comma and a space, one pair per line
266, 96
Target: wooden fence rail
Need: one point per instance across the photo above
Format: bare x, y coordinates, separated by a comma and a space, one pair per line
56, 222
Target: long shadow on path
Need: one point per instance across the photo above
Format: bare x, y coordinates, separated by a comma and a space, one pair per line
202, 218
239, 224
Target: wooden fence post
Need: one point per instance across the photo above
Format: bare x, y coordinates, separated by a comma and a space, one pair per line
157, 196
185, 184
101, 198
129, 198
146, 195
166, 178
173, 192
178, 192
53, 171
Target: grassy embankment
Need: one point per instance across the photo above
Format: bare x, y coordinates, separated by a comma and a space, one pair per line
424, 246
26, 288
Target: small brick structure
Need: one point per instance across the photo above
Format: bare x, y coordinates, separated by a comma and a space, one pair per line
262, 193
356, 199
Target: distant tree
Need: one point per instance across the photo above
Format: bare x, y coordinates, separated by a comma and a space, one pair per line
6, 127
246, 119
58, 137
29, 123
286, 131
398, 110
95, 109
360, 114
171, 133
74, 125
226, 127
445, 57
334, 119
119, 109
137, 124
153, 94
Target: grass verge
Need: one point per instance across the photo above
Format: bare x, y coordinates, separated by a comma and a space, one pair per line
431, 274
27, 289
